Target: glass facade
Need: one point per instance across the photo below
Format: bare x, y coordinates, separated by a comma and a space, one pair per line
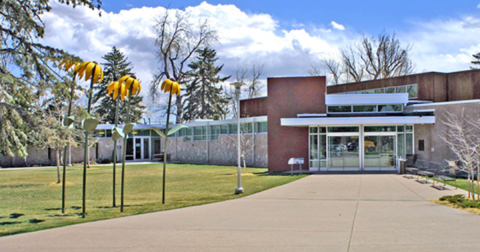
358, 147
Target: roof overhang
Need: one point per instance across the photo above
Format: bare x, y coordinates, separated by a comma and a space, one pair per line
377, 120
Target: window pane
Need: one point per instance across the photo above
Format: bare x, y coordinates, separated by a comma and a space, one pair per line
323, 146
261, 127
322, 129
365, 108
400, 128
342, 129
379, 91
232, 128
370, 91
390, 108
223, 129
380, 128
402, 89
390, 90
109, 133
313, 147
412, 91
313, 129
409, 128
409, 144
336, 109
401, 145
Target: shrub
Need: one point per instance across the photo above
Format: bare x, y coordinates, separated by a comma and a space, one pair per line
457, 198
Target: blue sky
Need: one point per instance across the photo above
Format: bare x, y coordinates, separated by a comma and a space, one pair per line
287, 37
371, 16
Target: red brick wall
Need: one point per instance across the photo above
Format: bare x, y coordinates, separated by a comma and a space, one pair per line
288, 97
253, 107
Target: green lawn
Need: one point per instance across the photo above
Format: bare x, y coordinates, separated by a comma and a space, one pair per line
461, 183
30, 200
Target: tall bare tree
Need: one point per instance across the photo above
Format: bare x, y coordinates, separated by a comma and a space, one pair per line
461, 136
177, 40
251, 75
370, 58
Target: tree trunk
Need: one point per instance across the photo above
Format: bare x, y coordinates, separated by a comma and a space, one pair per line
178, 103
57, 153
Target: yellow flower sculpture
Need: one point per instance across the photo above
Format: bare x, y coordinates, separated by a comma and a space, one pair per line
67, 64
171, 86
116, 89
87, 68
131, 83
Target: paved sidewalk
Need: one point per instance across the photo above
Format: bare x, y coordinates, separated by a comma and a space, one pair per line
317, 213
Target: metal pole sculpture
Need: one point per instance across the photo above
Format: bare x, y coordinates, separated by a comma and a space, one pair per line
67, 122
132, 87
94, 73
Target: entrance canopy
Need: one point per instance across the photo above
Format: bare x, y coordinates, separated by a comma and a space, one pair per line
369, 120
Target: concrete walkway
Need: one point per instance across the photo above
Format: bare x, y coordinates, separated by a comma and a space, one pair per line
317, 213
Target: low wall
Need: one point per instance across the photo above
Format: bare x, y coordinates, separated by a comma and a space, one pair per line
220, 152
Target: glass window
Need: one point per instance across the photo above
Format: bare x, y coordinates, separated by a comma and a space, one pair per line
323, 147
379, 91
261, 127
339, 109
214, 132
400, 128
313, 129
181, 133
313, 147
365, 108
402, 89
200, 133
390, 90
380, 128
108, 133
342, 129
223, 129
359, 92
409, 143
412, 91
142, 133
188, 134
401, 145
370, 91
390, 108
322, 129
232, 128
409, 128
246, 127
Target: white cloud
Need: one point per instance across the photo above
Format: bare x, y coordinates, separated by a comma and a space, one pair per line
438, 45
337, 26
443, 45
243, 38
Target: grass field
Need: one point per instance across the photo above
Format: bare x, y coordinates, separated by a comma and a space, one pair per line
31, 200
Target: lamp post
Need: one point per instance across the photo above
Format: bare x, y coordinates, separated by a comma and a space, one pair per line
238, 87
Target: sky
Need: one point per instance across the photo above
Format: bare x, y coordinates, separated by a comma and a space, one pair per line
286, 36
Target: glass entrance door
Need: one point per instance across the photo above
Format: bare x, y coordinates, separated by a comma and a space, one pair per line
379, 152
343, 153
138, 148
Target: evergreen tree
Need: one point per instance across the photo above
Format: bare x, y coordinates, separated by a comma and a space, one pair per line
116, 66
25, 69
203, 98
476, 61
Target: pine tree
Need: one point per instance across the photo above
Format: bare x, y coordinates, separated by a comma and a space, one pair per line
476, 61
116, 66
25, 69
204, 99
